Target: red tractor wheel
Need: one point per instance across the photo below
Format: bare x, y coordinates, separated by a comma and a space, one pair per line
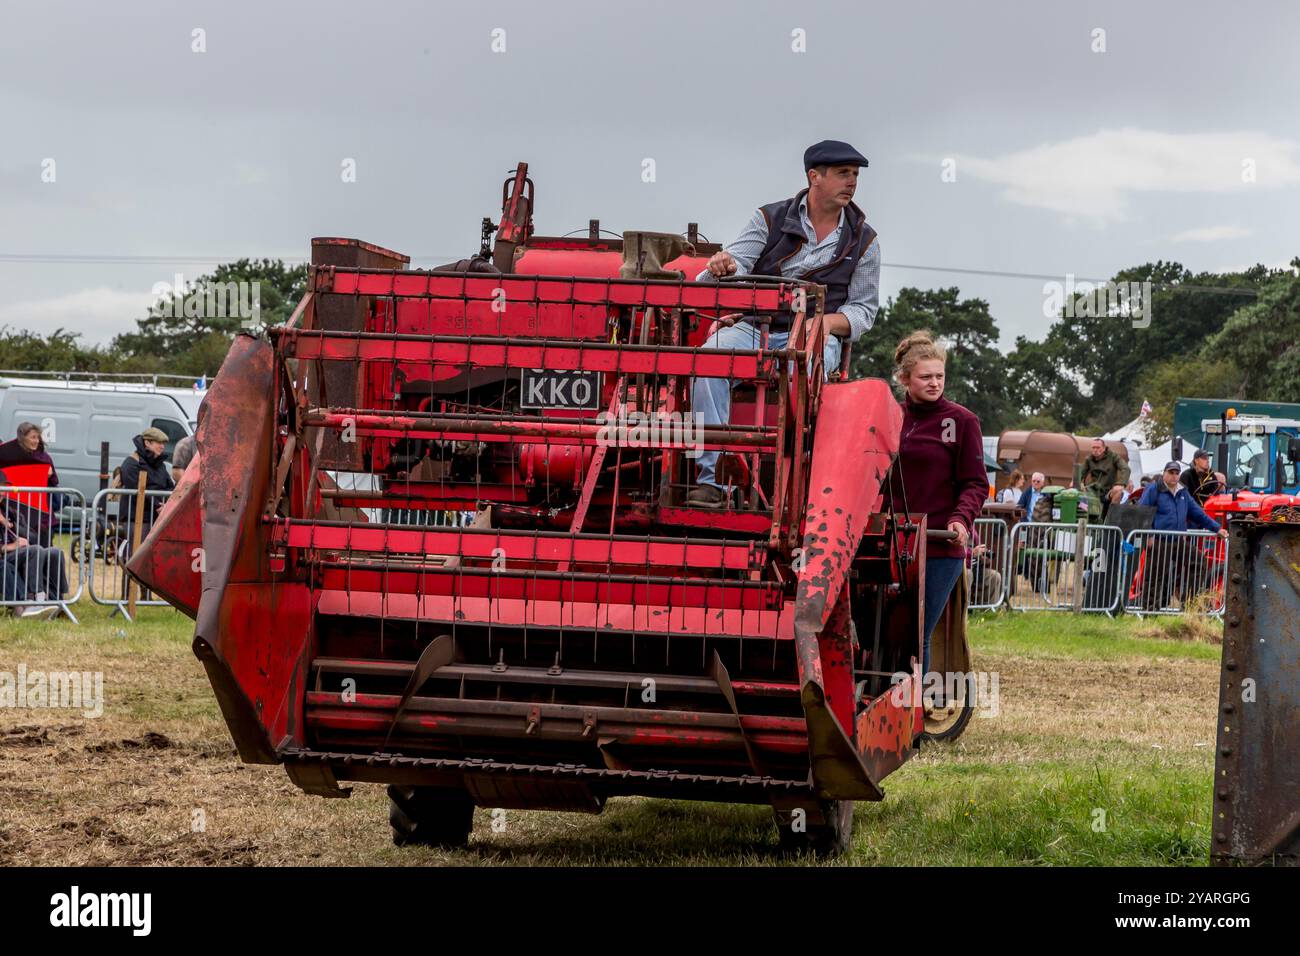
430, 816
833, 835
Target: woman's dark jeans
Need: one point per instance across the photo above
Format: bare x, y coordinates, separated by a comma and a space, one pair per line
940, 576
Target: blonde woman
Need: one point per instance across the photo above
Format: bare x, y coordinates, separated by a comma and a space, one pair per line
941, 462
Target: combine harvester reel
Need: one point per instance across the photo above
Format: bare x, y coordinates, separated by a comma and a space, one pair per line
448, 545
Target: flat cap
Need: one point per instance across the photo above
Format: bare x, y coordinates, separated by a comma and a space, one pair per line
831, 152
154, 434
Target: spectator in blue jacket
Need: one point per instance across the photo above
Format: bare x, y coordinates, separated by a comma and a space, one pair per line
1169, 558
1031, 494
1176, 509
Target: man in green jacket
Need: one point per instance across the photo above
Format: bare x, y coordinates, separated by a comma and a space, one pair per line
1105, 474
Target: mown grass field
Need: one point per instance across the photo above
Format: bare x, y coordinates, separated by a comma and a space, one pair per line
1101, 754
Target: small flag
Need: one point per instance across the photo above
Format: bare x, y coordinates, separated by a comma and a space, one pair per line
201, 384
1146, 409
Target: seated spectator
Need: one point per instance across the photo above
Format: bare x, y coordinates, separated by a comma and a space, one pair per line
25, 463
1029, 497
1200, 481
30, 573
1015, 488
986, 580
1105, 474
29, 449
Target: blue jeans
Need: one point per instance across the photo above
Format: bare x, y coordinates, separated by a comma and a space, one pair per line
711, 397
940, 577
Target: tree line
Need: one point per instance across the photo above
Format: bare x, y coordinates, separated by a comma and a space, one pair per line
1211, 335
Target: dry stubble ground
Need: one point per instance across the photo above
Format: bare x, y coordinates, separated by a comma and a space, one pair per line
1102, 753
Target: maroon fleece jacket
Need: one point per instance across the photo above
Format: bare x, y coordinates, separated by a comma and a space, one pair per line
941, 455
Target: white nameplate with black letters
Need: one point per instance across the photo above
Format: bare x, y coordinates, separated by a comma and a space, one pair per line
547, 388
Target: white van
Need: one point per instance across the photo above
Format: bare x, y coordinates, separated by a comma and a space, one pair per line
77, 412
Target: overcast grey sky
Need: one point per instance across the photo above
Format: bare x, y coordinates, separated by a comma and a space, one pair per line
1067, 160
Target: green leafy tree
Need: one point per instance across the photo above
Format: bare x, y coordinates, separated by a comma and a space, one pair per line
1036, 385
1101, 356
1262, 340
1181, 377
57, 352
976, 369
185, 329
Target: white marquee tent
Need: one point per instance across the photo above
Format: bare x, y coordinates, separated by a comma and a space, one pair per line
1152, 459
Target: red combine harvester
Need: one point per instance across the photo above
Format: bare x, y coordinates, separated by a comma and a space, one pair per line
437, 536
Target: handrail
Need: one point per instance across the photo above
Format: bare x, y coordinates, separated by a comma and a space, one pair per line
71, 378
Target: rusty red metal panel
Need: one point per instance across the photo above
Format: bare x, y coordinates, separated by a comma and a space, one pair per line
854, 445
1257, 768
644, 618
856, 441
253, 638
527, 584
887, 728
664, 554
334, 251
168, 561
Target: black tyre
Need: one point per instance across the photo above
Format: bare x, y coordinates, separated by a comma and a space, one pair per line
946, 723
430, 816
797, 833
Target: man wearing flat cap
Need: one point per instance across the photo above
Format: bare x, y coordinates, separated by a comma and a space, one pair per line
145, 468
819, 235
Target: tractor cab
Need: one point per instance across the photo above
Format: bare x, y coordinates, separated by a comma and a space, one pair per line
1255, 453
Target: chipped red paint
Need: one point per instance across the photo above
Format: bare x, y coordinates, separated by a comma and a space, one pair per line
170, 558
856, 441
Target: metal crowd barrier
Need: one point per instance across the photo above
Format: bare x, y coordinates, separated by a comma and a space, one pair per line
71, 549
35, 571
989, 560
1174, 572
1064, 567
109, 530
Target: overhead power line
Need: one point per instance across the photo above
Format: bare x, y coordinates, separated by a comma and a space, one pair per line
111, 259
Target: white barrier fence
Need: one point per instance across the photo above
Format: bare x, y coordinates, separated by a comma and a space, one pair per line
1060, 567
1041, 566
110, 525
987, 564
1175, 572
